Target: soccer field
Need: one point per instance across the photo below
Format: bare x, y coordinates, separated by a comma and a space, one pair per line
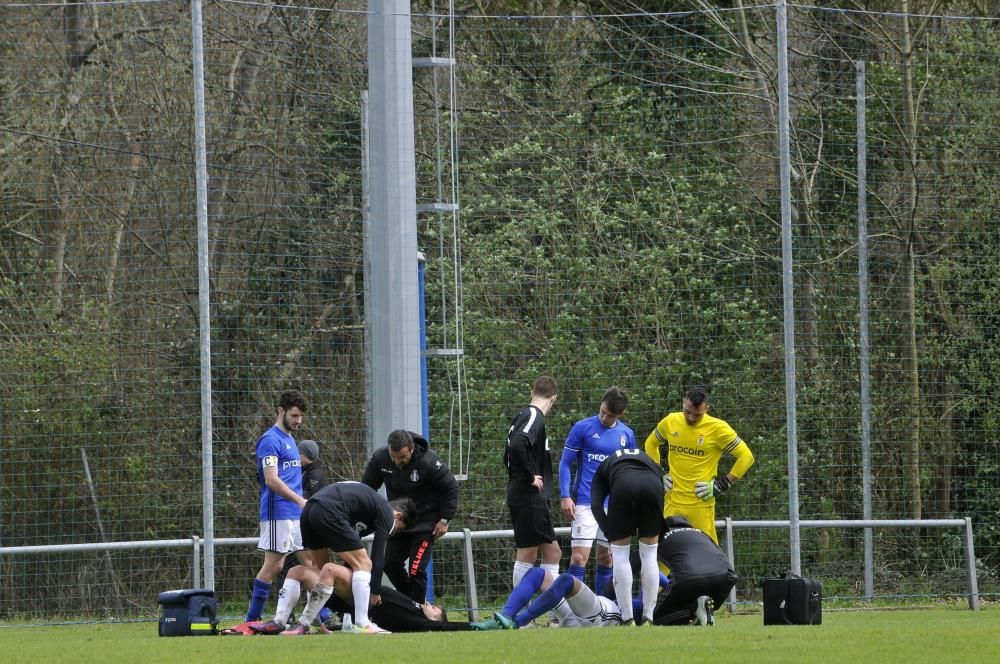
928, 635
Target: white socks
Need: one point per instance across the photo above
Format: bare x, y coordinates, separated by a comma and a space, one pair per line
361, 589
622, 579
520, 569
317, 599
288, 597
650, 579
562, 612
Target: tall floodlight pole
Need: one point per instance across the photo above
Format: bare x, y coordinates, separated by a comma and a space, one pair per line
864, 368
788, 287
391, 253
204, 311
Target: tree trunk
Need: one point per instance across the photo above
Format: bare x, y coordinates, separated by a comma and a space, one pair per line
74, 48
121, 212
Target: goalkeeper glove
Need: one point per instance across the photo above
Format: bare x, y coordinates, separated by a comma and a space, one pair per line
706, 490
668, 483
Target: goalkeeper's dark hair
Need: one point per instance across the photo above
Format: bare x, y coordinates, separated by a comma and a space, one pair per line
697, 395
407, 508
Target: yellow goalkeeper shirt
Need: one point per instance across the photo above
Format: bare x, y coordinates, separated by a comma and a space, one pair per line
693, 453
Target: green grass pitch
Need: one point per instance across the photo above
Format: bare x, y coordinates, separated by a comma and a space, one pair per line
928, 635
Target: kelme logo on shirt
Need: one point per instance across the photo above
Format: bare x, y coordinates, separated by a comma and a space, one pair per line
360, 527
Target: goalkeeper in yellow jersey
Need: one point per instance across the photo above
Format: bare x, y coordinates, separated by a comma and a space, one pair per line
695, 442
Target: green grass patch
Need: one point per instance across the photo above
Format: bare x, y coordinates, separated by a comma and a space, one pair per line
931, 635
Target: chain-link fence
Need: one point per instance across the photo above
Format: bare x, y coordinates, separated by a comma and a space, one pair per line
618, 220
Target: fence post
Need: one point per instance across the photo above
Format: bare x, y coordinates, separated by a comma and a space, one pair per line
970, 566
788, 285
470, 576
731, 554
864, 359
204, 313
195, 561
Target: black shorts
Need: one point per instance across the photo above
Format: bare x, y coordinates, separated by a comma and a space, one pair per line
328, 528
532, 525
675, 604
635, 507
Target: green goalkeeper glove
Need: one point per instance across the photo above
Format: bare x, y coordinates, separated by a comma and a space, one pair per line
706, 490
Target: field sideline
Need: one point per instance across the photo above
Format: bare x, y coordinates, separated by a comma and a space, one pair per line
930, 635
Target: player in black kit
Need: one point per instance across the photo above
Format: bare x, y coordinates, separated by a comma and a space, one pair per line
529, 484
396, 612
336, 518
631, 482
701, 576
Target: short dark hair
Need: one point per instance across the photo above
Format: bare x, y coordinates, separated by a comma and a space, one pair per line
545, 386
407, 508
616, 399
444, 613
291, 399
676, 521
697, 395
399, 439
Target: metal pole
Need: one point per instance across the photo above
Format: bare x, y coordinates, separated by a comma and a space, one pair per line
204, 310
731, 554
395, 335
865, 359
470, 576
788, 286
195, 561
970, 566
366, 224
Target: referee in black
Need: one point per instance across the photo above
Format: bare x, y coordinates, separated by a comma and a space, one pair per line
632, 484
529, 482
701, 576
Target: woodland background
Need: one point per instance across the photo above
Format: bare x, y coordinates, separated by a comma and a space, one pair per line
619, 223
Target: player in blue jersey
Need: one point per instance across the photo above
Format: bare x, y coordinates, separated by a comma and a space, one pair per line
587, 608
590, 442
279, 474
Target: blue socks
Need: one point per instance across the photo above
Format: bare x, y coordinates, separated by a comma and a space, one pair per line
261, 590
547, 601
577, 572
523, 591
601, 578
